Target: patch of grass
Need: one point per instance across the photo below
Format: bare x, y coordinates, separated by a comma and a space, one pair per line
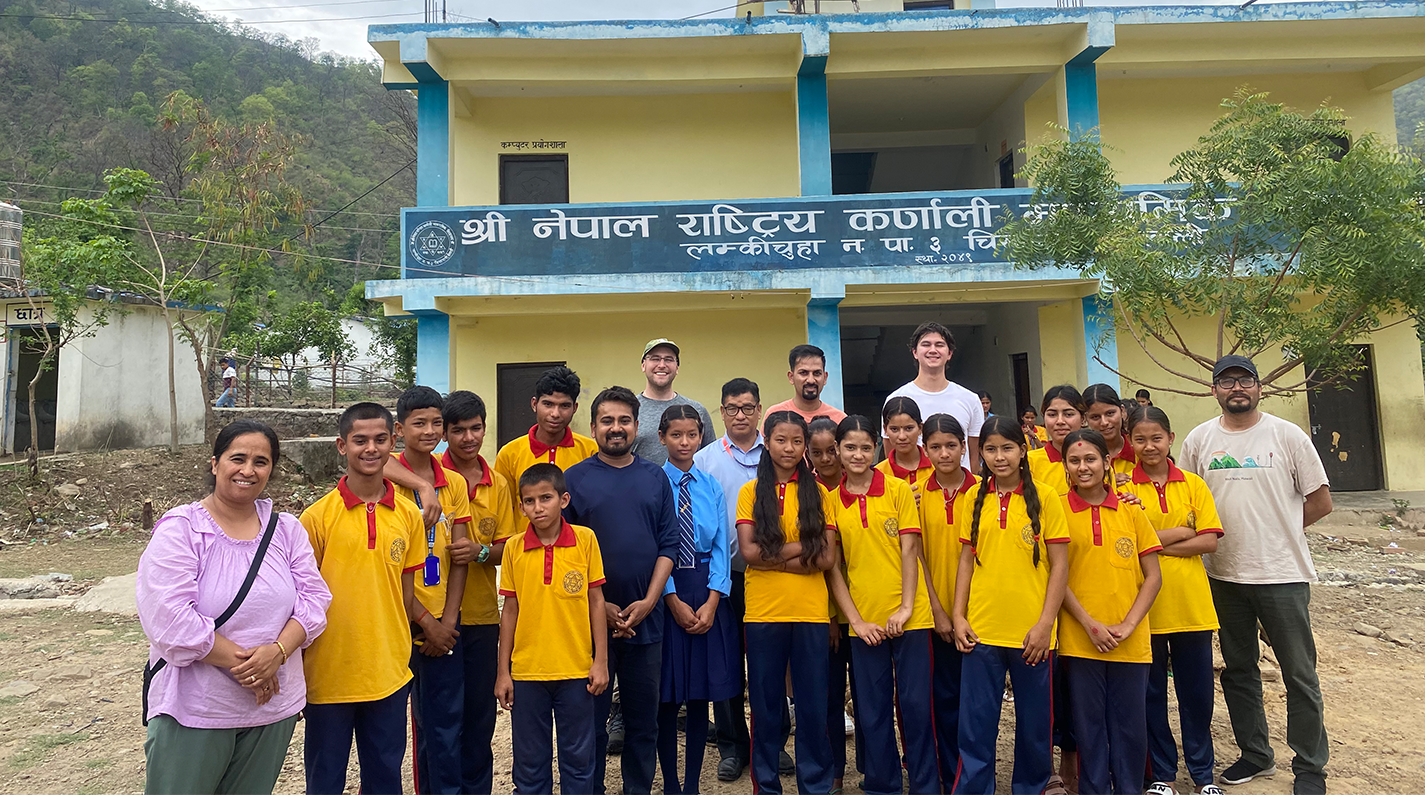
4, 636
88, 789
39, 744
95, 764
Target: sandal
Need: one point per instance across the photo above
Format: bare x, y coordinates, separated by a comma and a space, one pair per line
1056, 787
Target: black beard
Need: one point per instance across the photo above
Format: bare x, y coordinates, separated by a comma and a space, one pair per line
811, 392
1236, 408
615, 447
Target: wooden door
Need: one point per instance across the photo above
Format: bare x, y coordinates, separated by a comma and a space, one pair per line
1019, 365
514, 388
1346, 431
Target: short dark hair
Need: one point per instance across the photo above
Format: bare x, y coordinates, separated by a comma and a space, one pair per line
615, 394
680, 411
741, 386
558, 380
931, 327
363, 411
1143, 393
983, 395
805, 352
462, 405
821, 423
544, 472
232, 431
417, 398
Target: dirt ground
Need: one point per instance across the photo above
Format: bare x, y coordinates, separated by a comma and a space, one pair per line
80, 731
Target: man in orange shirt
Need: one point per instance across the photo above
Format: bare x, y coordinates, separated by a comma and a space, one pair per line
807, 374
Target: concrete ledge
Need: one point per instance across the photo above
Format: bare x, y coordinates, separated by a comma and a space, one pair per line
317, 456
24, 605
289, 423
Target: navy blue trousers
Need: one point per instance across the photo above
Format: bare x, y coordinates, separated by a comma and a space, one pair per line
946, 696
479, 644
981, 699
896, 676
770, 648
539, 708
637, 668
837, 677
1189, 654
437, 704
1110, 723
380, 731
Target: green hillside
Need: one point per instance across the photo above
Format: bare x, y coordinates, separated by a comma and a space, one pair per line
81, 84
1410, 111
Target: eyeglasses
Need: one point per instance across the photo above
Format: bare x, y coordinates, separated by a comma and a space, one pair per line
1228, 382
661, 359
733, 411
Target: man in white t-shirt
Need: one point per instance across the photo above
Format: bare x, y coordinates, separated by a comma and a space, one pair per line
932, 345
1269, 486
229, 397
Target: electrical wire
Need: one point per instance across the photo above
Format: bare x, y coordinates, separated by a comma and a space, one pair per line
205, 22
197, 217
724, 8
357, 199
181, 198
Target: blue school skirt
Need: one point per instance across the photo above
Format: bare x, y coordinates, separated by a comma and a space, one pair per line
704, 667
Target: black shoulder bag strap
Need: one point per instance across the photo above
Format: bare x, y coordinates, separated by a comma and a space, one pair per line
150, 670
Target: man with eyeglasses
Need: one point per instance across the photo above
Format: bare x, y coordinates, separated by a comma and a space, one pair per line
732, 461
1269, 486
660, 367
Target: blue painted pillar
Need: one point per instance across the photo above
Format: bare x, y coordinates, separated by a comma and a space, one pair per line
824, 331
1100, 341
813, 127
433, 350
1081, 97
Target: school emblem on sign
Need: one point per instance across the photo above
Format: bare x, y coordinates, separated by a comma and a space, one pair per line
1124, 547
487, 527
892, 527
573, 582
398, 550
432, 244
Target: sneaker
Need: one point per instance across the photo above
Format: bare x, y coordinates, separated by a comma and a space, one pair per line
850, 725
1211, 789
730, 768
615, 730
1160, 788
785, 765
1309, 784
1242, 771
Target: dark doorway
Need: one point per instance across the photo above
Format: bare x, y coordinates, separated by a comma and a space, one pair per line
1019, 370
534, 179
1006, 171
851, 172
28, 345
515, 386
1345, 430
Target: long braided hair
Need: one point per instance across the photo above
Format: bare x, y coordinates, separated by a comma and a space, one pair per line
767, 512
1006, 428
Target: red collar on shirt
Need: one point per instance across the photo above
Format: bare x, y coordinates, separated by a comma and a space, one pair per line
349, 497
965, 485
1174, 474
899, 472
566, 537
1054, 455
436, 469
540, 448
878, 488
486, 479
1126, 454
1078, 505
1017, 489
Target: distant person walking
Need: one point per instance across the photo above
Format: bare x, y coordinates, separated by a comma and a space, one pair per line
228, 399
933, 345
1269, 486
661, 360
222, 698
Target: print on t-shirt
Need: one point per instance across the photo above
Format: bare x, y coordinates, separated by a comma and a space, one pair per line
1221, 459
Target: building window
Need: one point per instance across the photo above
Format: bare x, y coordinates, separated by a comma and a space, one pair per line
534, 179
514, 386
1006, 171
930, 5
851, 172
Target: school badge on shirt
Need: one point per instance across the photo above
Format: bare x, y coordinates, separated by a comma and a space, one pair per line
891, 527
398, 550
573, 581
1124, 547
1026, 534
487, 527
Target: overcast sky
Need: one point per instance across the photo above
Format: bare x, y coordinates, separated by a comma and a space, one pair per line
341, 26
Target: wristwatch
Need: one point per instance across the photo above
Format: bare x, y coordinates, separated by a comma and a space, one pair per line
484, 554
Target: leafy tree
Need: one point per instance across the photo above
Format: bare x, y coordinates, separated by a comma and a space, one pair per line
1294, 243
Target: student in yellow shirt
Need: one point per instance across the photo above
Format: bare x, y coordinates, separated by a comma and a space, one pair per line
1008, 590
1034, 433
492, 524
784, 534
1104, 642
883, 599
550, 439
1063, 408
553, 638
822, 453
1180, 508
948, 495
904, 459
1103, 411
369, 544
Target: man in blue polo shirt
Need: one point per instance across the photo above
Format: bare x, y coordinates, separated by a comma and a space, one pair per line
629, 504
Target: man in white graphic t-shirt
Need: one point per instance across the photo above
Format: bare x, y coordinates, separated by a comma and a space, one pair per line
932, 345
1269, 486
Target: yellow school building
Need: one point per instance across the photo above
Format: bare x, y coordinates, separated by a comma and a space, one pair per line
745, 185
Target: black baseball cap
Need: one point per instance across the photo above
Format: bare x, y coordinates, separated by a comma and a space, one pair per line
1233, 360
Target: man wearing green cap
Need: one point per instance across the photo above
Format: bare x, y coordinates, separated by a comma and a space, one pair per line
660, 367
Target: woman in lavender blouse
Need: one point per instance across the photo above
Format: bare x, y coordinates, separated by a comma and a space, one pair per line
221, 712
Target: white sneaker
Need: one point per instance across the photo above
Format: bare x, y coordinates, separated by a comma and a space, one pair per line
850, 725
1211, 789
1160, 788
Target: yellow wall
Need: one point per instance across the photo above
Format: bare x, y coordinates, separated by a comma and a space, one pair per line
1061, 344
637, 148
1146, 122
605, 349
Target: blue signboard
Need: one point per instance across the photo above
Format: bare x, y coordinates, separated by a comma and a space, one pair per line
854, 231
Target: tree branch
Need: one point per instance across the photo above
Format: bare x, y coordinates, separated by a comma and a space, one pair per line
1144, 345
1157, 387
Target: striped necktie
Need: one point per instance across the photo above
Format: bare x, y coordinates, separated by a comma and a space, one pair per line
688, 534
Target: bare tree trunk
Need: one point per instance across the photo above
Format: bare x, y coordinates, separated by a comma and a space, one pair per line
172, 380
34, 419
333, 382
